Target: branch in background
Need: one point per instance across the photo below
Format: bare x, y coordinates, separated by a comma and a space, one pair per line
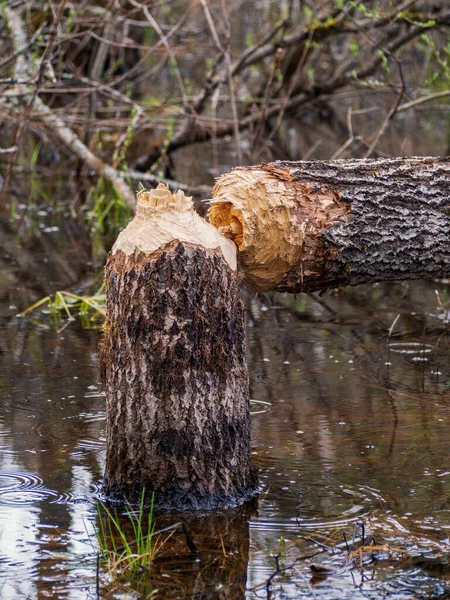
166, 45
139, 177
44, 66
4, 63
351, 137
390, 115
422, 100
292, 84
310, 63
391, 41
57, 125
226, 54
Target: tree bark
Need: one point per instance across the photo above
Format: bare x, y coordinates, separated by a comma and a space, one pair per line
173, 362
305, 226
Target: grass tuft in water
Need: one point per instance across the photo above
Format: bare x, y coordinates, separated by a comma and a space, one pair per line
122, 556
90, 310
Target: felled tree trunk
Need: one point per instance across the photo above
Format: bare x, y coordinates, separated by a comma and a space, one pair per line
173, 362
305, 226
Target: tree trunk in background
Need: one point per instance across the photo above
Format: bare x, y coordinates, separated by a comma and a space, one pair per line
305, 226
173, 362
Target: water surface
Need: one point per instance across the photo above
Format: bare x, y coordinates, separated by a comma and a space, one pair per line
350, 434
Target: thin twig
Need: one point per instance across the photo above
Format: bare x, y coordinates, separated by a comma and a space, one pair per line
225, 52
422, 99
390, 114
23, 49
293, 83
166, 45
57, 125
351, 138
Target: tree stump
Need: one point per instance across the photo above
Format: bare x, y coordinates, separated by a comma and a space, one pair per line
173, 362
173, 352
313, 225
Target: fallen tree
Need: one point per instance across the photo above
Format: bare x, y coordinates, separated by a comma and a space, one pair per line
305, 226
173, 362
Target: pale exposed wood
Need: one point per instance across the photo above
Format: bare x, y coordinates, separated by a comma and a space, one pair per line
162, 217
273, 221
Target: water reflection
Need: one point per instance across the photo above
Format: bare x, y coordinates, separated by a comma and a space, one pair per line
351, 439
205, 557
349, 426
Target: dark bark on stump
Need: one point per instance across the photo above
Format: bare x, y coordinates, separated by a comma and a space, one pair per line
173, 361
305, 226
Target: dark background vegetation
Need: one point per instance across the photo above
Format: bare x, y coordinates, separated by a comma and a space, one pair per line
99, 96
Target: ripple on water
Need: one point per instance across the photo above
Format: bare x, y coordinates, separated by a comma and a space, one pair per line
22, 488
93, 417
90, 443
410, 348
338, 507
259, 407
69, 498
26, 569
95, 394
44, 432
18, 489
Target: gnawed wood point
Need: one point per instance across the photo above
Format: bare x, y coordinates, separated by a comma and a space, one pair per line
173, 362
162, 217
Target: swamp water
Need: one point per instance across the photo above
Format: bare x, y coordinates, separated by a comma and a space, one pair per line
350, 431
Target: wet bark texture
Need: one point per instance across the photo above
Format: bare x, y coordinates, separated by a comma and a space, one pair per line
173, 359
350, 221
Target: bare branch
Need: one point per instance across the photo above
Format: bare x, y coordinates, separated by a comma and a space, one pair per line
66, 135
422, 100
226, 54
166, 45
389, 116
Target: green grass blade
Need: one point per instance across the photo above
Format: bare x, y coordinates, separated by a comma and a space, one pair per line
35, 305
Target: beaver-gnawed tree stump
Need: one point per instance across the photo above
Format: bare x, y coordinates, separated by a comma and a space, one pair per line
173, 362
313, 225
173, 353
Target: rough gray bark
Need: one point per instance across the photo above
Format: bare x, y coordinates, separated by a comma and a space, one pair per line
174, 366
345, 222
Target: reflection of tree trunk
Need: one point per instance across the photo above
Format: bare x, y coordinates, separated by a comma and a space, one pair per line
173, 359
303, 226
223, 544
202, 558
